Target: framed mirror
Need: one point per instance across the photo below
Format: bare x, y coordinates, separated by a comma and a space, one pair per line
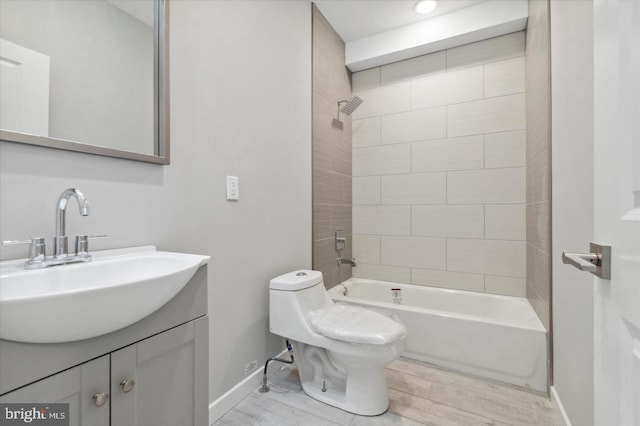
86, 75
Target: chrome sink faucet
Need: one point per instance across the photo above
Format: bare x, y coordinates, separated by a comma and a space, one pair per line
60, 240
37, 247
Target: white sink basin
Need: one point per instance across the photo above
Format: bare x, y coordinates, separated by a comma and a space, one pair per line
83, 300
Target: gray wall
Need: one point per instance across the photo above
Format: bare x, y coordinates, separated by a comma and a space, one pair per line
438, 166
101, 69
572, 180
240, 105
331, 153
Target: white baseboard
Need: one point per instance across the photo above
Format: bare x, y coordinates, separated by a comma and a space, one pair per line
233, 396
556, 398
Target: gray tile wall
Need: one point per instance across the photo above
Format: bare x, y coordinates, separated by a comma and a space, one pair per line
439, 169
332, 192
538, 159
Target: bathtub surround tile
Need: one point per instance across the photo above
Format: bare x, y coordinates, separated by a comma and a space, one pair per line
491, 186
538, 160
493, 115
328, 186
505, 222
366, 132
382, 160
424, 124
448, 154
418, 252
539, 268
382, 220
486, 257
424, 188
539, 178
347, 186
486, 51
453, 221
506, 149
538, 225
443, 135
447, 279
366, 248
508, 286
383, 273
332, 151
414, 67
321, 221
364, 80
539, 305
447, 88
384, 100
504, 77
366, 190
325, 255
341, 219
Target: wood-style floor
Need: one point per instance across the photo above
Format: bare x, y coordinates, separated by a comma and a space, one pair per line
420, 394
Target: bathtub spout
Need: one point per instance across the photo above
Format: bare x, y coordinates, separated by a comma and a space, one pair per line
351, 262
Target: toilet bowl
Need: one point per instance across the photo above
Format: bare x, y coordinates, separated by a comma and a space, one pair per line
341, 350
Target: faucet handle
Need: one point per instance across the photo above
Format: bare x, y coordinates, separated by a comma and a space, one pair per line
37, 248
82, 244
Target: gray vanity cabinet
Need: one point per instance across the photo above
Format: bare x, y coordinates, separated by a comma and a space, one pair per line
155, 371
155, 382
76, 387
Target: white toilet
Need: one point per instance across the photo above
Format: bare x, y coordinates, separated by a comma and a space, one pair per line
341, 350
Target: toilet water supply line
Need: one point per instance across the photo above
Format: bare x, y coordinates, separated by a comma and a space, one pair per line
264, 387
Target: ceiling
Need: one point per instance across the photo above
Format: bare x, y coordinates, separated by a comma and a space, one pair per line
356, 19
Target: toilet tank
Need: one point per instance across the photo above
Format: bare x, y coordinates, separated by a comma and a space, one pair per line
291, 297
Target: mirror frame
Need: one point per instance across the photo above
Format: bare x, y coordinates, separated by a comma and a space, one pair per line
160, 99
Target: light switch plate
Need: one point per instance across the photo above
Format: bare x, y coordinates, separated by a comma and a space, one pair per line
233, 188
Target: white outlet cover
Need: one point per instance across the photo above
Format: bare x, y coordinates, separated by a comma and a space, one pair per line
233, 188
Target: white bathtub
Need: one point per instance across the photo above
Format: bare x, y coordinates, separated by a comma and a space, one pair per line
498, 337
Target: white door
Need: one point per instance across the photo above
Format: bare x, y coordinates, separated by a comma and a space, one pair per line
24, 85
617, 210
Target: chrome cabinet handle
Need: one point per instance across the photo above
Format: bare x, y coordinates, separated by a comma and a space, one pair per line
99, 399
598, 261
127, 384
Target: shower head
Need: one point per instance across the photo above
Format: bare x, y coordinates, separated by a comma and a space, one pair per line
347, 108
350, 106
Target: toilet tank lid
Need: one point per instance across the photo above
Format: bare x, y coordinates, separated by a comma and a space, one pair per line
296, 280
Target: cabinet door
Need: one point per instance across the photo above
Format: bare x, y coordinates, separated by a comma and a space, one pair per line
170, 379
75, 386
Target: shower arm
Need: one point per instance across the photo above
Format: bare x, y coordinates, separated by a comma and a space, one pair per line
339, 103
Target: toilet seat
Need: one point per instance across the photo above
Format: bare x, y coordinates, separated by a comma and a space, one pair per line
353, 324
